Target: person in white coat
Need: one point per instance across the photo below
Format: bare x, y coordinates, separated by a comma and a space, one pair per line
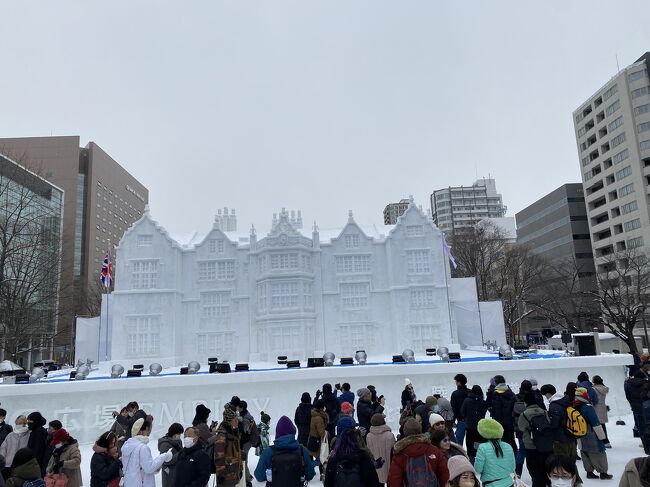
139, 466
14, 441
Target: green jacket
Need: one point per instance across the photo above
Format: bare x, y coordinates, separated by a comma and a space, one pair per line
524, 424
23, 473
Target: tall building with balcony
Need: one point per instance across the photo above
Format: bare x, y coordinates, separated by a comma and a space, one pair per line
101, 201
612, 130
460, 208
394, 210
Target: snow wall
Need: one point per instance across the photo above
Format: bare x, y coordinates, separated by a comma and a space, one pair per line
84, 407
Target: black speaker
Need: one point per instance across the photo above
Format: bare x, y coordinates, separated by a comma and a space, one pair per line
134, 373
566, 336
454, 356
398, 359
346, 361
315, 362
222, 368
213, 360
138, 367
184, 370
282, 359
585, 345
431, 352
73, 374
241, 367
293, 364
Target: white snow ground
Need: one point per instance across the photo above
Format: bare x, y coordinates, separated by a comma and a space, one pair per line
624, 448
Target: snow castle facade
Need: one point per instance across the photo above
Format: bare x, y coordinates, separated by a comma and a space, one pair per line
251, 298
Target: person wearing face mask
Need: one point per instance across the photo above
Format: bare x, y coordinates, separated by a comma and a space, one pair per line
562, 471
66, 458
37, 438
171, 441
134, 412
52, 426
227, 449
16, 440
461, 473
105, 465
120, 426
139, 466
193, 467
5, 428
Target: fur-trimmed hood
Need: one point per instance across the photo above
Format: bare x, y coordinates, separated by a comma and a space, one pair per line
404, 443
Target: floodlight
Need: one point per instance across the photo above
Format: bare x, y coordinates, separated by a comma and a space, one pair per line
408, 355
116, 371
328, 359
155, 369
361, 357
38, 373
193, 367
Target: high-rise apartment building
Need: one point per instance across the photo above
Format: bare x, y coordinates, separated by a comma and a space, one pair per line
31, 213
101, 201
612, 131
459, 208
394, 210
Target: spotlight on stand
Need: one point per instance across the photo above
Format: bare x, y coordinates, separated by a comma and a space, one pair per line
328, 359
193, 367
431, 352
82, 372
346, 361
505, 352
408, 355
155, 369
116, 371
361, 357
38, 373
282, 359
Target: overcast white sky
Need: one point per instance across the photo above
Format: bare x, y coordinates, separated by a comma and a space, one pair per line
322, 106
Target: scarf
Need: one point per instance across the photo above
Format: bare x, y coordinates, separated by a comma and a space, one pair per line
233, 447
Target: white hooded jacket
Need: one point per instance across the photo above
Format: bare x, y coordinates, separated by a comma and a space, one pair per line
139, 466
14, 441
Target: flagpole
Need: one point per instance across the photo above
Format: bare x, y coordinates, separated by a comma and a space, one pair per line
108, 293
446, 260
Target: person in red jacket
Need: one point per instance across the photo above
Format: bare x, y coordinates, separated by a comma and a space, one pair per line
415, 447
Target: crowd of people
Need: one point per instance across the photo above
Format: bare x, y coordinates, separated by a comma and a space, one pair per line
470, 439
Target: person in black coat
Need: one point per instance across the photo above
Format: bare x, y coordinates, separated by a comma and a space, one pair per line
457, 399
104, 465
349, 453
366, 408
5, 428
193, 465
501, 409
332, 407
302, 418
636, 390
37, 438
473, 410
135, 413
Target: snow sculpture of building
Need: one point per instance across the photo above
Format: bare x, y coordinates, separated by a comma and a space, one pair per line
248, 298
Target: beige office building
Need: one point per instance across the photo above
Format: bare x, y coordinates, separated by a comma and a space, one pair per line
613, 136
101, 201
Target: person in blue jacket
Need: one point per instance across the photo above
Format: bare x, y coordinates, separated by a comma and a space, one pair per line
346, 394
285, 442
592, 446
583, 381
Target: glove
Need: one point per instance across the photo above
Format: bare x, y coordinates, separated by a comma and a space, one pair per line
169, 455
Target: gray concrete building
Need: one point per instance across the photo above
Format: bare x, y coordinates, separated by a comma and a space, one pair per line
393, 211
459, 208
101, 201
612, 130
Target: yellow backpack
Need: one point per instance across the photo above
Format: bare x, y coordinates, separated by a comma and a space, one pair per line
576, 425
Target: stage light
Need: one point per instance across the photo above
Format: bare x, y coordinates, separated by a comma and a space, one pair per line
346, 361
505, 352
361, 357
134, 373
398, 359
82, 372
282, 359
442, 351
213, 360
138, 367
155, 369
431, 352
454, 356
315, 362
408, 355
193, 367
241, 367
291, 364
38, 373
328, 359
116, 371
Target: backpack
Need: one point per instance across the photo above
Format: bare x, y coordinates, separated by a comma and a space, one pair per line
348, 474
34, 483
287, 468
254, 434
419, 473
517, 409
541, 432
576, 425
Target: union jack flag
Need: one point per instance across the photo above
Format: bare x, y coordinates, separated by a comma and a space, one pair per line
107, 271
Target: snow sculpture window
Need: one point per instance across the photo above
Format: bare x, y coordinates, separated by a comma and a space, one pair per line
286, 339
263, 262
145, 240
352, 241
308, 291
418, 262
215, 305
225, 270
207, 271
421, 298
350, 264
284, 261
356, 337
284, 294
145, 274
216, 270
219, 344
422, 337
143, 336
414, 230
355, 295
216, 246
306, 263
261, 296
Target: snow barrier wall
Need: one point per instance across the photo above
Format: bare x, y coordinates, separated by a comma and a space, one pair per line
84, 407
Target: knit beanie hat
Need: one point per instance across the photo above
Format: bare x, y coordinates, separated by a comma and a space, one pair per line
582, 396
202, 413
490, 429
22, 456
265, 417
135, 429
345, 423
458, 465
362, 392
59, 436
430, 401
346, 408
306, 398
412, 427
284, 427
377, 419
229, 413
435, 418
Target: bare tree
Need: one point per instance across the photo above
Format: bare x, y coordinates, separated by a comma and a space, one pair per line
623, 293
30, 267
